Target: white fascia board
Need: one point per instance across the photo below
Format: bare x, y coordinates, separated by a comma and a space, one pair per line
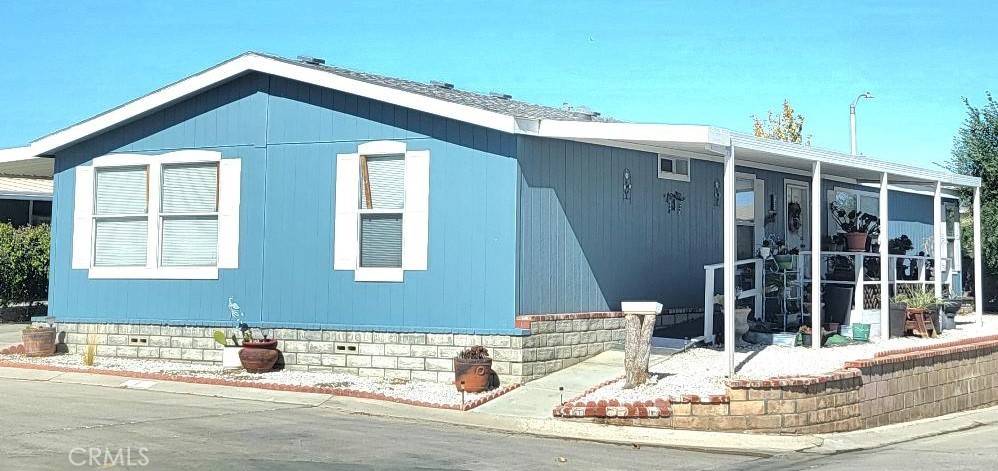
652, 133
836, 158
254, 63
14, 154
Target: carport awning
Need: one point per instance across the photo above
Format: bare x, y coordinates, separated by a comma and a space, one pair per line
18, 162
21, 187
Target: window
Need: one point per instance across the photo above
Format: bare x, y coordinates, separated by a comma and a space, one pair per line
382, 204
849, 200
673, 168
381, 225
121, 222
746, 216
170, 216
189, 215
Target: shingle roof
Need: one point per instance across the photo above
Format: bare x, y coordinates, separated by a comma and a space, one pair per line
496, 104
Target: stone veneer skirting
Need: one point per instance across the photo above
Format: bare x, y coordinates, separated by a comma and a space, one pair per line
549, 343
895, 386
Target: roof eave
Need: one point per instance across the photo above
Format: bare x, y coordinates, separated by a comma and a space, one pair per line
251, 62
837, 158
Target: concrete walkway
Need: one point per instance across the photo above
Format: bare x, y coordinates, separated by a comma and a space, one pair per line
10, 334
537, 398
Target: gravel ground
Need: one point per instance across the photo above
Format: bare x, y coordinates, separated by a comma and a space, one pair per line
702, 371
438, 393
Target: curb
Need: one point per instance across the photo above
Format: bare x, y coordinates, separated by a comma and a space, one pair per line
248, 384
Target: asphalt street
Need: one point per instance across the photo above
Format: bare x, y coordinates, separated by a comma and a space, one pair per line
52, 426
55, 426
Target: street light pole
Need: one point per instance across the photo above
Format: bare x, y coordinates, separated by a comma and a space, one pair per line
852, 120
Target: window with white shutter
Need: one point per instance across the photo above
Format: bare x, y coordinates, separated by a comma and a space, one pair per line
381, 220
168, 216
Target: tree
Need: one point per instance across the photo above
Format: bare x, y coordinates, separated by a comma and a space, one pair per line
639, 328
975, 152
788, 126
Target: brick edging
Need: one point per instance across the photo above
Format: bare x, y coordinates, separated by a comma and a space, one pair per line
662, 407
247, 384
791, 381
647, 409
898, 356
954, 343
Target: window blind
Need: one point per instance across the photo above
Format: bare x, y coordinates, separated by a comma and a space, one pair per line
386, 175
190, 240
121, 190
120, 242
381, 240
190, 188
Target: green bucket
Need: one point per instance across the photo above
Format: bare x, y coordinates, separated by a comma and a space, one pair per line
861, 332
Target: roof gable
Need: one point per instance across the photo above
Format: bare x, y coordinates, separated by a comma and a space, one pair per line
483, 110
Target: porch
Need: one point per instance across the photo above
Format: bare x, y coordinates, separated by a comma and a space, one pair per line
873, 273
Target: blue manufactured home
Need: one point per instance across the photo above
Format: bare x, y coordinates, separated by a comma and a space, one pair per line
411, 219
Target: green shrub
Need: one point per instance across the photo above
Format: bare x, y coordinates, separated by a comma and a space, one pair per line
24, 263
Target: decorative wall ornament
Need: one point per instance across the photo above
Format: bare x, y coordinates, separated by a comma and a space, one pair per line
771, 215
794, 222
627, 184
717, 192
674, 201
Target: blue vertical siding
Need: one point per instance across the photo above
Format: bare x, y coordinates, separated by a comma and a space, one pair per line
287, 135
582, 247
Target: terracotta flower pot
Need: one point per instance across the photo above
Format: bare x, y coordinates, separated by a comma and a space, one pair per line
259, 356
38, 342
856, 241
474, 373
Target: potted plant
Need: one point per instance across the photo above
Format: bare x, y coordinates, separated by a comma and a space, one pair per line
899, 245
230, 353
741, 317
38, 341
920, 302
472, 369
858, 226
258, 355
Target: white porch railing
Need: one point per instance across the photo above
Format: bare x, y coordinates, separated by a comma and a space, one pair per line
859, 281
708, 292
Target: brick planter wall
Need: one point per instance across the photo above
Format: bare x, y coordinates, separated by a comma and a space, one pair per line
549, 343
895, 386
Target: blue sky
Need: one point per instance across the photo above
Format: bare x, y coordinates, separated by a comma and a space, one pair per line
670, 62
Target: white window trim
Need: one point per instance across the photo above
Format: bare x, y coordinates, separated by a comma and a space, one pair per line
227, 213
758, 198
673, 175
415, 220
805, 221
